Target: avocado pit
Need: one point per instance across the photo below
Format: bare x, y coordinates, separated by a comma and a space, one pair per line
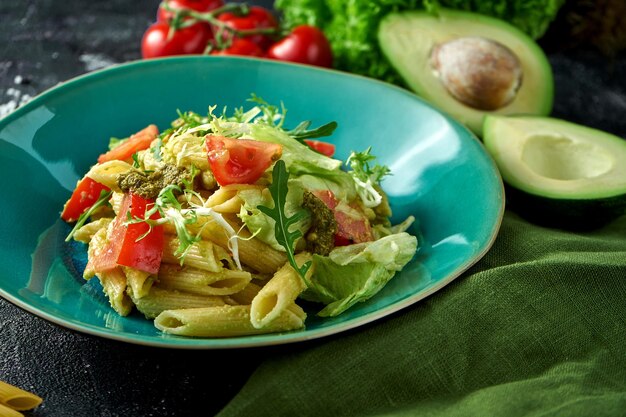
479, 72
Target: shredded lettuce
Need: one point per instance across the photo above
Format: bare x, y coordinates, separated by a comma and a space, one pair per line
351, 25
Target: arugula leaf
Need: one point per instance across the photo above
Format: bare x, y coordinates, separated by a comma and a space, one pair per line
301, 131
285, 237
102, 200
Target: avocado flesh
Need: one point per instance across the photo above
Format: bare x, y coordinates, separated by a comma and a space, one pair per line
557, 172
407, 39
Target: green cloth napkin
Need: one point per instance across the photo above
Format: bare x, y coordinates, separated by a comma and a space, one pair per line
536, 328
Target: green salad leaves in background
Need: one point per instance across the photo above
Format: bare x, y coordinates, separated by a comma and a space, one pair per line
352, 25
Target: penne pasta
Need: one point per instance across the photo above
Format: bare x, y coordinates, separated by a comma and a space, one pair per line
246, 295
9, 412
16, 398
202, 255
116, 201
249, 248
278, 294
114, 284
96, 246
85, 233
226, 199
224, 321
139, 282
159, 300
197, 281
107, 173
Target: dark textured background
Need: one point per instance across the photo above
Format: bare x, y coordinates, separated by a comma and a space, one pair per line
44, 42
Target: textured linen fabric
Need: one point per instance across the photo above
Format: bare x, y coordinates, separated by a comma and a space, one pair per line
536, 328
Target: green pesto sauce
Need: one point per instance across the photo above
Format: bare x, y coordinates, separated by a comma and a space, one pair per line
149, 185
320, 238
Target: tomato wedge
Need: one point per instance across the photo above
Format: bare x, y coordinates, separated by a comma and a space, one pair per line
240, 161
135, 143
134, 245
85, 194
352, 225
325, 148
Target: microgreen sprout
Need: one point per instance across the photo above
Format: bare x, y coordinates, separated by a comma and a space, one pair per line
366, 176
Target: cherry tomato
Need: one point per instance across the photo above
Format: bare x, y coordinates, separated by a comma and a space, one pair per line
184, 41
324, 148
306, 45
135, 245
135, 143
240, 47
197, 5
84, 196
257, 18
352, 224
240, 161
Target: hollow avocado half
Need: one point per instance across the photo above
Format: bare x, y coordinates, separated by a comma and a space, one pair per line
559, 173
408, 40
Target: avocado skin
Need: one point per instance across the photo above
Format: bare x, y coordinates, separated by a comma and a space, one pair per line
568, 214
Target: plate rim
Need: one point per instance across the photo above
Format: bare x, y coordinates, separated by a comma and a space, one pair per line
272, 339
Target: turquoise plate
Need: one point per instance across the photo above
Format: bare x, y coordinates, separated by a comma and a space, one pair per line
441, 175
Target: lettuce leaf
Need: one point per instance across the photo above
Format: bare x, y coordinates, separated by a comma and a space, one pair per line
354, 273
299, 158
351, 25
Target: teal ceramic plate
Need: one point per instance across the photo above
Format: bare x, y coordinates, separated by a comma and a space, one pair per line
441, 175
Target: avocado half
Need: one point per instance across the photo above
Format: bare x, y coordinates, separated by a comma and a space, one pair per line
416, 42
559, 173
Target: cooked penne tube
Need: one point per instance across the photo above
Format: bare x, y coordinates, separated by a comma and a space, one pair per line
17, 399
246, 295
107, 173
249, 249
96, 245
226, 199
159, 300
278, 294
114, 284
224, 321
116, 201
204, 254
85, 233
139, 282
197, 281
9, 412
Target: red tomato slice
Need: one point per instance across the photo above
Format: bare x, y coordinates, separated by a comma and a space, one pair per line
124, 246
84, 196
137, 142
324, 148
240, 161
352, 225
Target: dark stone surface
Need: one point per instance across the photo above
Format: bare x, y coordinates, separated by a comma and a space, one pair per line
44, 42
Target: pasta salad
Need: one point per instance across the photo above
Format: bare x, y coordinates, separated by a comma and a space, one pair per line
219, 225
